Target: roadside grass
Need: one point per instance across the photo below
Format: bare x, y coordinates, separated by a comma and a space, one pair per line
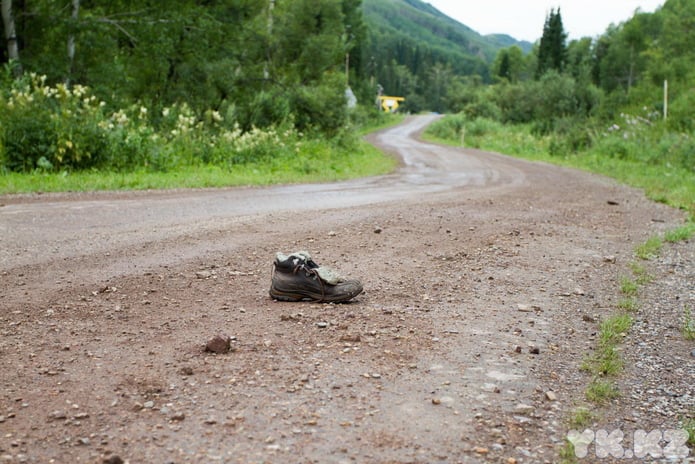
689, 426
682, 233
661, 182
649, 249
688, 324
317, 160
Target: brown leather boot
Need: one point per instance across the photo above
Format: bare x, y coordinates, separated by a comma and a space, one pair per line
297, 277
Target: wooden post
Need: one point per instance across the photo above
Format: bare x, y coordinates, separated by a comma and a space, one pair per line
665, 99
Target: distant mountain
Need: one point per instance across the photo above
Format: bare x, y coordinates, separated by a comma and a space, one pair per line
416, 51
423, 26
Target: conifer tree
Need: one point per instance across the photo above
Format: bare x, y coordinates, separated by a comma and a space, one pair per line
552, 52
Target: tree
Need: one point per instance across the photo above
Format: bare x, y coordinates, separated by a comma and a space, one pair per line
509, 64
552, 52
10, 33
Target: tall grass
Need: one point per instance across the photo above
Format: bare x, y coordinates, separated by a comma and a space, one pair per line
628, 158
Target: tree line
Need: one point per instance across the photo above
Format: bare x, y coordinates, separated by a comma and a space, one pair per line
258, 64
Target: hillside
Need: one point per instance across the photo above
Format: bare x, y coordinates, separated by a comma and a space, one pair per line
408, 40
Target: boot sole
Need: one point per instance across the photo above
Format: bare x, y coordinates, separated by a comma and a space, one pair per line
294, 297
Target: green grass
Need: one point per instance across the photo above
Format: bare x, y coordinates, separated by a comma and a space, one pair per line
581, 418
628, 286
628, 304
689, 426
680, 234
318, 162
649, 249
601, 391
688, 324
661, 182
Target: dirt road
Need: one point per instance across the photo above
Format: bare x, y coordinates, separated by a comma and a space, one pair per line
484, 277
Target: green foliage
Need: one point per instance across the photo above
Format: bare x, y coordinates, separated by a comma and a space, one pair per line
649, 249
552, 51
601, 391
688, 324
680, 234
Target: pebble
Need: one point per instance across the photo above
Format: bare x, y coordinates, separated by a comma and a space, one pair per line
115, 459
148, 404
550, 395
57, 415
522, 408
322, 325
218, 344
692, 353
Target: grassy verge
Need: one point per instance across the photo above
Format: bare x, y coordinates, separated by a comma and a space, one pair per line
318, 163
661, 182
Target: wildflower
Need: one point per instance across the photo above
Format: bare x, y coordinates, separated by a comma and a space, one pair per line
165, 112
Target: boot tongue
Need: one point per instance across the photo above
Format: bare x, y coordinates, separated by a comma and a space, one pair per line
330, 276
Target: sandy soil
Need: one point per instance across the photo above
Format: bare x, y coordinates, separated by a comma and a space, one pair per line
485, 278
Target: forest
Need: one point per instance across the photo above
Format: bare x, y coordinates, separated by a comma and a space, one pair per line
123, 85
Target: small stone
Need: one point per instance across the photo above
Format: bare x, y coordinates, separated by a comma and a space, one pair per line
148, 404
322, 325
203, 274
481, 450
57, 415
692, 353
351, 338
186, 370
2, 419
609, 259
332, 233
551, 396
178, 416
83, 441
436, 401
511, 461
517, 349
524, 308
218, 344
522, 408
534, 350
115, 459
377, 230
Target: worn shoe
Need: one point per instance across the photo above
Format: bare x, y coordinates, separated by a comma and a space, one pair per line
297, 277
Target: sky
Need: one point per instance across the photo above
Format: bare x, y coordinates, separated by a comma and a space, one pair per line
524, 19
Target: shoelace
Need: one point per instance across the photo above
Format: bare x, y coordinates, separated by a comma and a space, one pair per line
311, 272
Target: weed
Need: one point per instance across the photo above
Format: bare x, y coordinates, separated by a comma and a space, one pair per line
628, 304
614, 329
581, 418
688, 324
628, 287
681, 233
601, 391
649, 249
567, 453
640, 273
689, 426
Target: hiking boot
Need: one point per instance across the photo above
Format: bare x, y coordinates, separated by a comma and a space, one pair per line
297, 277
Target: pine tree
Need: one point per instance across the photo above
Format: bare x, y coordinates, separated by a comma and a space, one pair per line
552, 52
